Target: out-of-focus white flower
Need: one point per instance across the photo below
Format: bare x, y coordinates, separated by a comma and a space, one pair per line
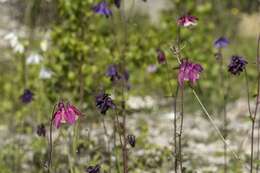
14, 42
44, 45
45, 73
152, 68
34, 59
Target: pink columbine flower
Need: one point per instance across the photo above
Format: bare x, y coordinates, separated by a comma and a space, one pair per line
187, 21
65, 113
189, 71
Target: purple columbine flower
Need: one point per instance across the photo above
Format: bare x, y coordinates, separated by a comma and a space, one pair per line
117, 3
104, 102
189, 71
131, 140
237, 65
112, 72
41, 131
221, 42
27, 96
160, 56
102, 8
93, 169
187, 20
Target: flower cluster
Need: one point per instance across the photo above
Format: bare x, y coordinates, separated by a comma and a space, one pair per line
237, 65
189, 71
104, 102
65, 113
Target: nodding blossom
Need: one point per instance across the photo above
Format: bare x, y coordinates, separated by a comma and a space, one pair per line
160, 56
104, 102
113, 73
41, 131
221, 42
65, 113
103, 9
237, 65
187, 20
131, 140
188, 71
93, 169
117, 3
27, 96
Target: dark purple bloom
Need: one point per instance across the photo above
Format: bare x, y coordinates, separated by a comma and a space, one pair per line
117, 3
187, 21
102, 8
93, 169
41, 131
160, 56
27, 96
104, 102
221, 42
189, 71
237, 65
131, 140
112, 72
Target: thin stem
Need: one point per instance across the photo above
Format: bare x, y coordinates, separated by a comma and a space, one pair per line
181, 129
175, 130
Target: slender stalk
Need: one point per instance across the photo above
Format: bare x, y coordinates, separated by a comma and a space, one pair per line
175, 131
181, 129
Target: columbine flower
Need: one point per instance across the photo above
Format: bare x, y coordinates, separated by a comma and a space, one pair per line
27, 96
34, 59
131, 140
187, 21
221, 42
93, 169
104, 102
160, 56
41, 131
45, 73
65, 113
102, 8
189, 71
112, 72
237, 65
117, 3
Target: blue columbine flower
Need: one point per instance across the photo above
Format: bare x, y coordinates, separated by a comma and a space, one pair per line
93, 169
131, 140
112, 72
221, 42
27, 96
41, 131
237, 65
104, 102
117, 3
102, 8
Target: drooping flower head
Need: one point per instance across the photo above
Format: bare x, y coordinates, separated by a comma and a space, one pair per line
189, 71
41, 131
103, 9
187, 20
93, 169
65, 113
27, 96
131, 140
113, 73
104, 102
160, 56
237, 65
117, 3
221, 42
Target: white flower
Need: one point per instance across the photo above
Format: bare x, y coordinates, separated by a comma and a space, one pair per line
34, 59
45, 73
14, 42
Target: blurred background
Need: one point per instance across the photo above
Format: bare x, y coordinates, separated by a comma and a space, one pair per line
51, 48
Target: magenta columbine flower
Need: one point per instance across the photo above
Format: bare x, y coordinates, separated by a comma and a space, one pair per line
189, 71
102, 8
27, 96
221, 42
65, 113
187, 21
117, 3
237, 65
41, 131
160, 56
104, 102
93, 169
